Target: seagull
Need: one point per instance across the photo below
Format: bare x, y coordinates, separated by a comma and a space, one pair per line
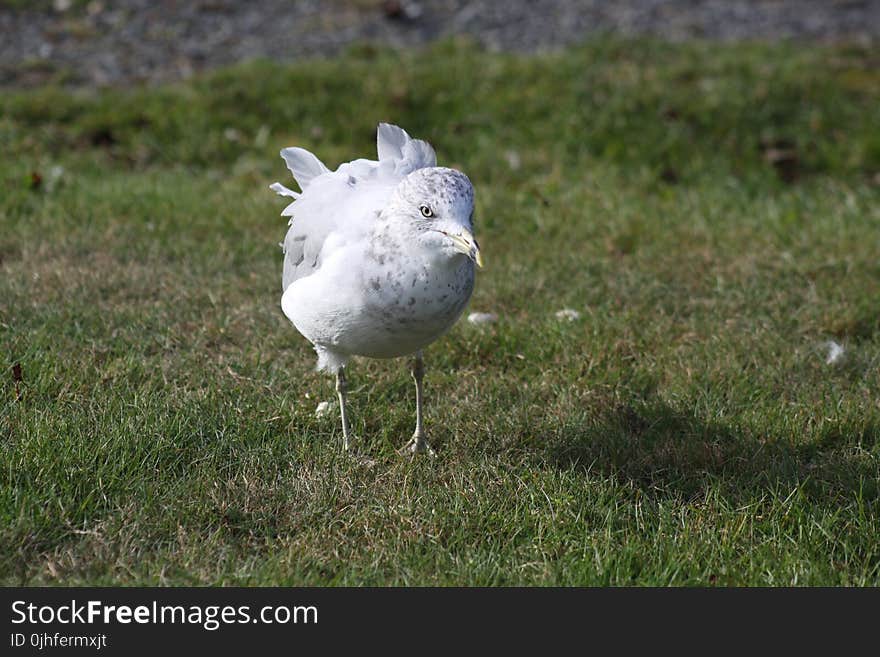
379, 258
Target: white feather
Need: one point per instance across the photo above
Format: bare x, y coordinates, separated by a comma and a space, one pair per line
281, 190
418, 154
390, 141
342, 203
304, 166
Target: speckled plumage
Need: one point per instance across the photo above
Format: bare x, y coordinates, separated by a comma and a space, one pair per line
379, 259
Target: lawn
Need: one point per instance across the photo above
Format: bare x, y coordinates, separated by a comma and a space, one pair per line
711, 211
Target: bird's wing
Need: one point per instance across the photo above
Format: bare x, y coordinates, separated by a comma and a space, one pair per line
342, 203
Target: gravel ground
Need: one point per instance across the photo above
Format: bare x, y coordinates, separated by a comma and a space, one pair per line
102, 42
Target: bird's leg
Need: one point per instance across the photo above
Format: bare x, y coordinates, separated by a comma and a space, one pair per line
341, 390
417, 443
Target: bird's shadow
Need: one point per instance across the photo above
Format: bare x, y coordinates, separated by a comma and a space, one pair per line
666, 452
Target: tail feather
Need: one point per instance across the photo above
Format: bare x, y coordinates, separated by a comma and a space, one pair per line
419, 153
303, 165
394, 143
390, 141
281, 190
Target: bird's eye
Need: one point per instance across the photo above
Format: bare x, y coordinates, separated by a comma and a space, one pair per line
426, 211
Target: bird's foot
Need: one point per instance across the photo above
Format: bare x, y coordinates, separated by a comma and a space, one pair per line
417, 445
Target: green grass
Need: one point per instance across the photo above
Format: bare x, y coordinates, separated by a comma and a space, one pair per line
712, 211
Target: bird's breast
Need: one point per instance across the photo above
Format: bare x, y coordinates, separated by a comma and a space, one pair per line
409, 305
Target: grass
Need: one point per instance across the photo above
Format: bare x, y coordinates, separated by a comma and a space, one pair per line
712, 211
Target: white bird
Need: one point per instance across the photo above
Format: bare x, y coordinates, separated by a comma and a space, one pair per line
379, 259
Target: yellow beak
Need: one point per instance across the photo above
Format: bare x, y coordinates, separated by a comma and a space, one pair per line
465, 243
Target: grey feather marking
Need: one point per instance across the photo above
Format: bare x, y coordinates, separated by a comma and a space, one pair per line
302, 249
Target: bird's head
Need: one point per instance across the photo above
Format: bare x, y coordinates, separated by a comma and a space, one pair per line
438, 205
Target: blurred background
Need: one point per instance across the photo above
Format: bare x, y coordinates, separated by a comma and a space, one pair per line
110, 42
